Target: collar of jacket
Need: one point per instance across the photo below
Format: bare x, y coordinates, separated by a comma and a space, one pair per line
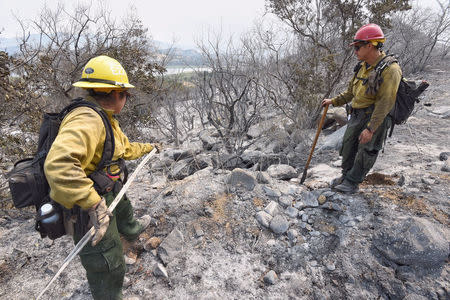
376, 62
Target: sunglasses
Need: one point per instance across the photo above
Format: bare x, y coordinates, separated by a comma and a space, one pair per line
127, 95
359, 46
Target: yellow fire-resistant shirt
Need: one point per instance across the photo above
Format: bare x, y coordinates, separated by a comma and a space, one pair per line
383, 100
76, 152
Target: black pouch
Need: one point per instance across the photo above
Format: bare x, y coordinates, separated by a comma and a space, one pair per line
102, 183
27, 183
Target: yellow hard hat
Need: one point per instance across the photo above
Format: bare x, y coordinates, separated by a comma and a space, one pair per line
103, 73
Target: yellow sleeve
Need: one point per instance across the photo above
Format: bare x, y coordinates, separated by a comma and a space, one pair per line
344, 97
74, 148
386, 95
133, 150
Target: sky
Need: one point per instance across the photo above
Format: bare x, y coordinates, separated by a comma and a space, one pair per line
167, 20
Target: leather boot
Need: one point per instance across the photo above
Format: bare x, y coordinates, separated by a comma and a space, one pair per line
347, 187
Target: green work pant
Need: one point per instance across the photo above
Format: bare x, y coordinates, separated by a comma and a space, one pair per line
358, 159
104, 263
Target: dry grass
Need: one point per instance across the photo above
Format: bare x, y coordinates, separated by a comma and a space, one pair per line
219, 205
258, 202
414, 204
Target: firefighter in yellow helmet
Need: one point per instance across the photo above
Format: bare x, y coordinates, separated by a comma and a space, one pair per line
371, 99
69, 168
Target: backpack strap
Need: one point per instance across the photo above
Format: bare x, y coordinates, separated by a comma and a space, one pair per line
384, 62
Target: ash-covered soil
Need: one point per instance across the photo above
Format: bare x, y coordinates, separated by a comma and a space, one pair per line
246, 234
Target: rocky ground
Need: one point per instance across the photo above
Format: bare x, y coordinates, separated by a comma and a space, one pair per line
244, 228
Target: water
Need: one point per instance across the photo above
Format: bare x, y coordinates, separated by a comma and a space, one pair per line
180, 70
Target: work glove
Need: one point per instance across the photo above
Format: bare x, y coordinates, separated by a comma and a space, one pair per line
99, 218
158, 147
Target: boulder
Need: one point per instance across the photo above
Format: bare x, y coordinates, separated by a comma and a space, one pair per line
171, 246
282, 172
186, 167
334, 140
413, 241
242, 178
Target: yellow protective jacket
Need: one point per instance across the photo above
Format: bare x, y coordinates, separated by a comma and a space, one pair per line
383, 100
76, 152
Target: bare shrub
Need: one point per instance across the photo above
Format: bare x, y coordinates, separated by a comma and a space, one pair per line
67, 40
231, 96
420, 37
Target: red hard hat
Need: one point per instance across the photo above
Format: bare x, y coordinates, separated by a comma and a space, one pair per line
368, 33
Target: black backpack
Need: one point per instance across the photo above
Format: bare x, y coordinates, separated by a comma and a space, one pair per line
27, 182
407, 93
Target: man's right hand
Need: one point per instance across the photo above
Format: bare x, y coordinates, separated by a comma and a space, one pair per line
326, 102
99, 216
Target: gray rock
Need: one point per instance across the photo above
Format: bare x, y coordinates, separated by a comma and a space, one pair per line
444, 156
186, 167
310, 199
299, 204
291, 212
270, 277
414, 296
209, 211
271, 208
292, 234
332, 206
279, 224
427, 181
350, 223
305, 217
263, 218
178, 154
282, 172
271, 159
413, 241
229, 162
129, 260
446, 167
241, 178
270, 192
251, 157
198, 230
328, 194
285, 201
314, 233
160, 271
330, 266
262, 177
334, 140
344, 219
207, 139
171, 246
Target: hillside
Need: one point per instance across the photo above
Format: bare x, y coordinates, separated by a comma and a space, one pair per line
246, 229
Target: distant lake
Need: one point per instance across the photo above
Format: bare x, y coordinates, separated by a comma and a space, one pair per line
180, 70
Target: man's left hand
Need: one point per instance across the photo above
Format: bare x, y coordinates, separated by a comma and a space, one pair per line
365, 136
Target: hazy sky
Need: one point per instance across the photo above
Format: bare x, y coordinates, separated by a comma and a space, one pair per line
166, 19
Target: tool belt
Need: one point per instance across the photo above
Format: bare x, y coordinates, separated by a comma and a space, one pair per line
357, 115
77, 219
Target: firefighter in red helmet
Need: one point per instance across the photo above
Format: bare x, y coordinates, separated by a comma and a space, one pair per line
371, 99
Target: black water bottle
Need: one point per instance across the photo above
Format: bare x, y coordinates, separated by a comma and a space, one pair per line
51, 220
